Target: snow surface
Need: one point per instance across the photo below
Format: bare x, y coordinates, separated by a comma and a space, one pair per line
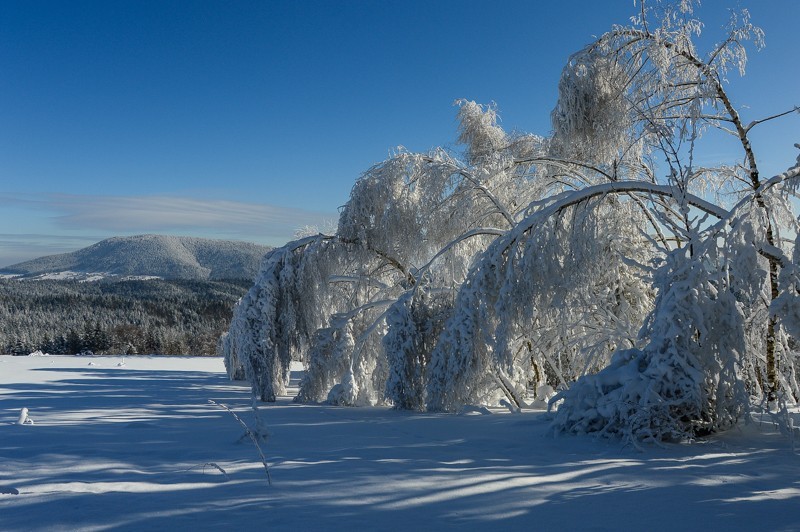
89, 277
138, 447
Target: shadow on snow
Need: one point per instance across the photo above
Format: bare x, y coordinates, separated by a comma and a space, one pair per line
134, 449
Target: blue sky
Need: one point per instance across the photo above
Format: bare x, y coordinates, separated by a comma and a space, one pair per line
246, 120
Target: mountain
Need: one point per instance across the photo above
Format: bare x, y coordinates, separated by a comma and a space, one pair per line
143, 256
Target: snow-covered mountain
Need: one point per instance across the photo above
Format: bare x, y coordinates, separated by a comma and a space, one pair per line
143, 256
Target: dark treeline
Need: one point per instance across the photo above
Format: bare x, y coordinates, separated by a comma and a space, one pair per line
116, 317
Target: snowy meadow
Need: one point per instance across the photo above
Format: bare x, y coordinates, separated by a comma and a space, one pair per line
133, 444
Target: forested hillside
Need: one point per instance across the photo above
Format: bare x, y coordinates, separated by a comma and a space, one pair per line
124, 317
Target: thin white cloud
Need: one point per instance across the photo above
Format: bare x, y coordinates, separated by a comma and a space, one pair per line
66, 222
138, 214
16, 248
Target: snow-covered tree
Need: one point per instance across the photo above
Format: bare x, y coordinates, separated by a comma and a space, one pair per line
657, 294
672, 95
685, 381
413, 218
557, 294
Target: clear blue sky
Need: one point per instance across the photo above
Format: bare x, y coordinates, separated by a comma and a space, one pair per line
246, 120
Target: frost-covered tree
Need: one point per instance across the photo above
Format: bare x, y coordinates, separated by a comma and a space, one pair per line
669, 95
685, 381
657, 294
637, 92
557, 294
414, 324
271, 323
415, 218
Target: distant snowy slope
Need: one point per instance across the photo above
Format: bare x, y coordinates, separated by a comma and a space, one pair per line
169, 257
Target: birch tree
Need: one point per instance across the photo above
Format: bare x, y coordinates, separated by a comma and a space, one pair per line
658, 295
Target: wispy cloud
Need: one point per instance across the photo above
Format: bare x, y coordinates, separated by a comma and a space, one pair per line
135, 214
72, 221
166, 213
16, 248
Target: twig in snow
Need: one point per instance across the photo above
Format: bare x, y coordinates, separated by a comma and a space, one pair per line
212, 464
249, 433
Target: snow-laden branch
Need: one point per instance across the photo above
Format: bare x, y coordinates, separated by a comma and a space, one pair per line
347, 316
481, 231
564, 164
477, 185
568, 199
783, 177
358, 279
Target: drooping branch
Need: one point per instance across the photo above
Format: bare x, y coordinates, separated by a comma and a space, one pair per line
383, 255
478, 186
564, 201
564, 164
481, 231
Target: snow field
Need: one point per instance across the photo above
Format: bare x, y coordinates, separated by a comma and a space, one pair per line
138, 447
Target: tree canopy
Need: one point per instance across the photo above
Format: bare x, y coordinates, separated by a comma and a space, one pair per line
659, 297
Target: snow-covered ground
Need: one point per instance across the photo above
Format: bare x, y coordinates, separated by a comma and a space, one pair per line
82, 276
137, 446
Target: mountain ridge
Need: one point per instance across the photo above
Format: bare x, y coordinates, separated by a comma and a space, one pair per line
143, 256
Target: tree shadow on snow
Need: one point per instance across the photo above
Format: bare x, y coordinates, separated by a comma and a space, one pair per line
142, 450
